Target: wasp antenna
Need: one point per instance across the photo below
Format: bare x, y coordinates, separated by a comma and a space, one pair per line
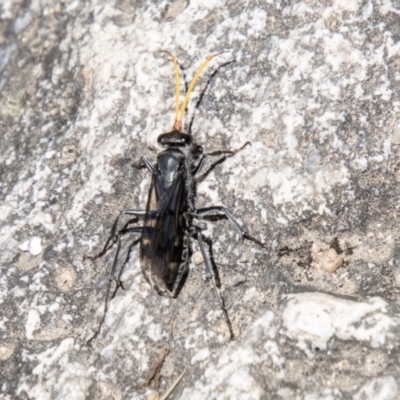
191, 86
177, 123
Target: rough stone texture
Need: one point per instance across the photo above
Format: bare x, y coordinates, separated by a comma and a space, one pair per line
315, 88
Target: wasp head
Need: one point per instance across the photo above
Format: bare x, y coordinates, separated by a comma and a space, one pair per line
175, 138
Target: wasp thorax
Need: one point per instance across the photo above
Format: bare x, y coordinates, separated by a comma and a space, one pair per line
168, 165
175, 138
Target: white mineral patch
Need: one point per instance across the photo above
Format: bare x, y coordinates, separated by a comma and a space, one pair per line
32, 323
395, 138
35, 246
285, 393
5, 54
22, 22
384, 388
44, 219
32, 245
24, 246
318, 317
201, 355
230, 372
227, 375
72, 383
359, 164
397, 278
210, 4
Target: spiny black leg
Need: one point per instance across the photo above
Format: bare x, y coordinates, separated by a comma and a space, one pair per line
97, 331
209, 211
118, 282
110, 241
111, 276
199, 166
228, 153
210, 272
112, 238
209, 243
144, 163
115, 259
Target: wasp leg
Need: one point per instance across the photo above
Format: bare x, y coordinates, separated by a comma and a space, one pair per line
227, 154
112, 273
144, 163
118, 279
199, 166
204, 212
113, 237
210, 272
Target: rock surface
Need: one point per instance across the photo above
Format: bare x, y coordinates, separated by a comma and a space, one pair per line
315, 87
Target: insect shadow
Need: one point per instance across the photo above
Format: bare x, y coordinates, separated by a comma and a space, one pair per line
170, 219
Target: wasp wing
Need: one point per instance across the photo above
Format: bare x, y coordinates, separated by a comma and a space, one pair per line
164, 241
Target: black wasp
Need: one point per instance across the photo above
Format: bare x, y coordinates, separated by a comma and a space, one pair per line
171, 217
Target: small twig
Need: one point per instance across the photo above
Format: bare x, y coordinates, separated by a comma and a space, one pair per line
155, 373
173, 386
172, 325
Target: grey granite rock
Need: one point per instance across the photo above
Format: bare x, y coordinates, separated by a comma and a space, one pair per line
315, 87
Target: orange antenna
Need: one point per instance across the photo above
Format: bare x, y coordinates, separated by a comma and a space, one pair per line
178, 125
177, 86
191, 86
